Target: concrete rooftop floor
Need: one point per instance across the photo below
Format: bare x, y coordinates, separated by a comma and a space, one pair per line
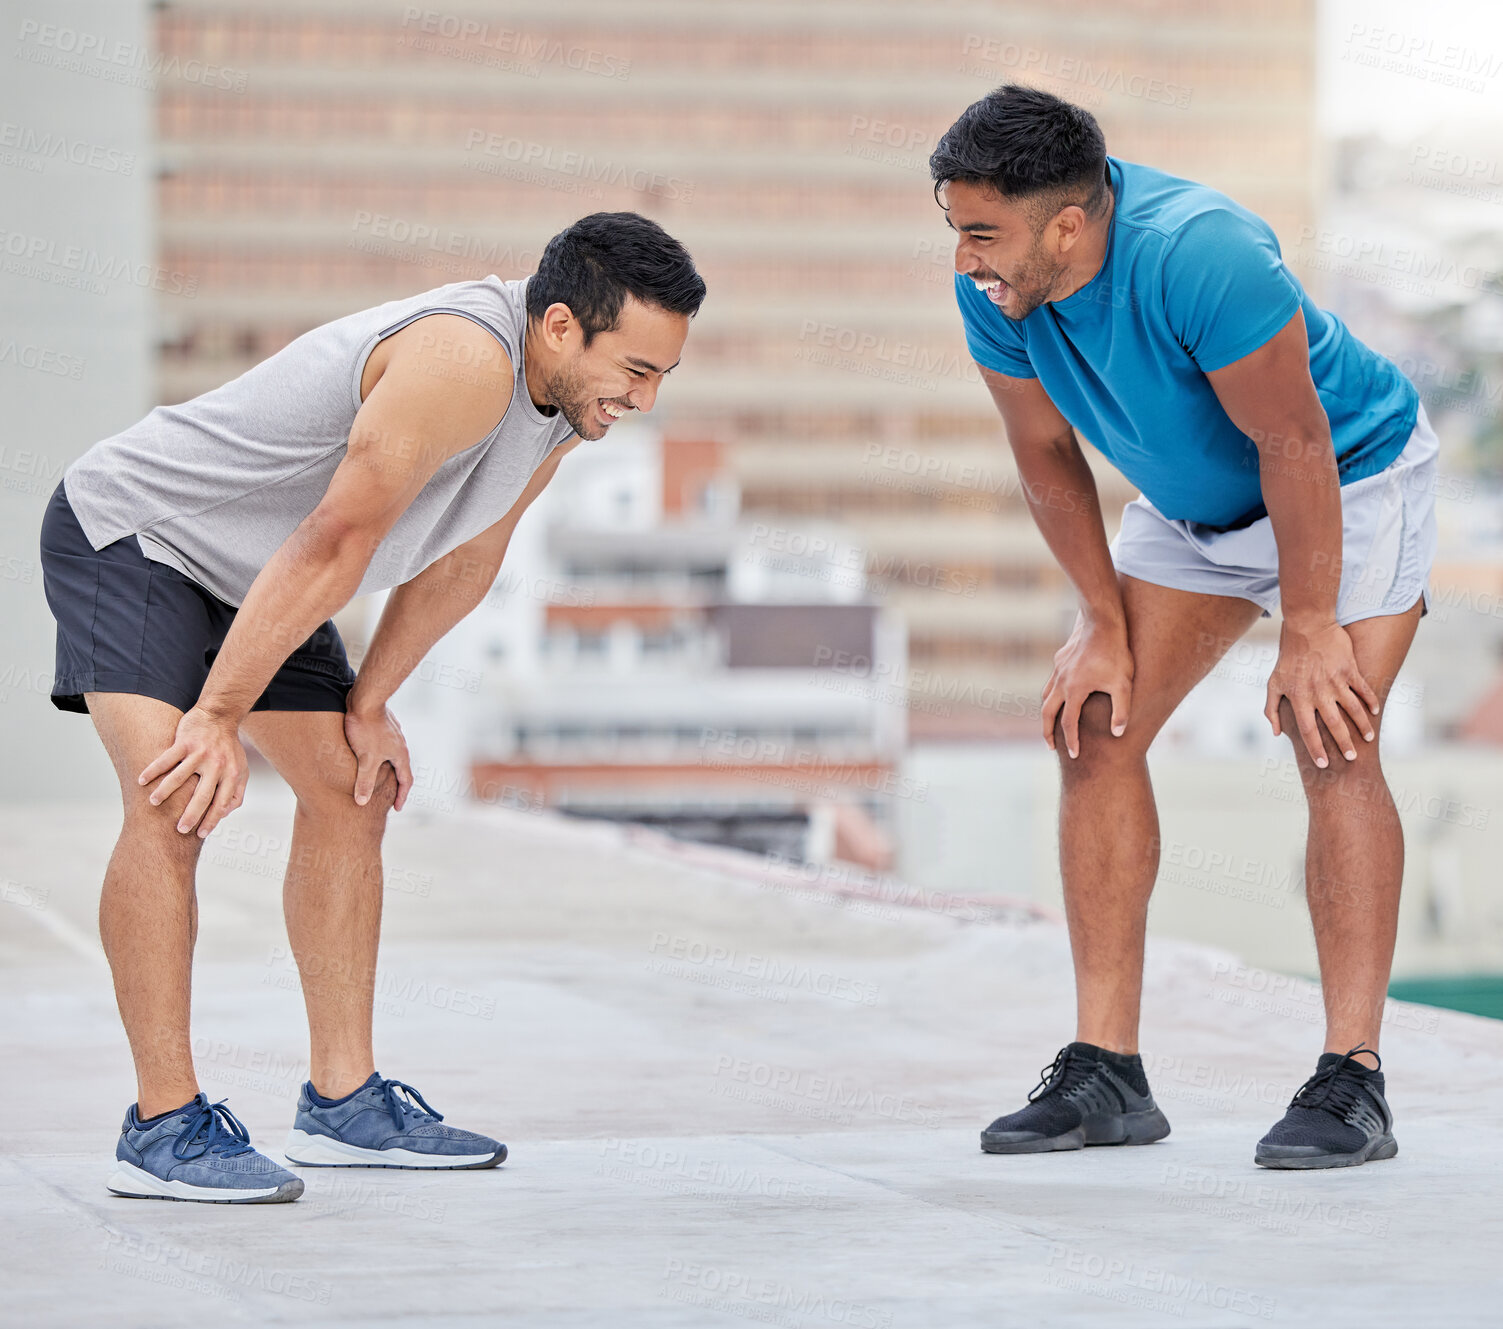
699, 1137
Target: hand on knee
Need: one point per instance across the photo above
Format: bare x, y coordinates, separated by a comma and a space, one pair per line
384, 794
1364, 764
335, 796
1094, 731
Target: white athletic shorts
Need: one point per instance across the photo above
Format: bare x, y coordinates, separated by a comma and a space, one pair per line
1388, 542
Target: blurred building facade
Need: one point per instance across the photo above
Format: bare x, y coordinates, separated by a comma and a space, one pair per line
647, 655
369, 151
1410, 251
826, 448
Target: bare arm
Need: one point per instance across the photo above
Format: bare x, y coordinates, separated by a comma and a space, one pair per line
1269, 395
416, 416
1060, 491
416, 615
413, 420
1061, 494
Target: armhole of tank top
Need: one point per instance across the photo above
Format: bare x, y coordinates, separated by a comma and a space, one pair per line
382, 334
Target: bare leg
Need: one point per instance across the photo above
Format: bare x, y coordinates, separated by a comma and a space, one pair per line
1354, 859
148, 909
1109, 828
332, 891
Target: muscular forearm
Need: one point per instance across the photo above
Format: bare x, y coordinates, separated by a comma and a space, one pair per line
1061, 495
313, 575
1302, 492
417, 614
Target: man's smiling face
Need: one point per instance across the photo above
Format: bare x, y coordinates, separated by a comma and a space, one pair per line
997, 247
619, 371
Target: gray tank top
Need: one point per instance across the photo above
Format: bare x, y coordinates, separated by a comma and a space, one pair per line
212, 487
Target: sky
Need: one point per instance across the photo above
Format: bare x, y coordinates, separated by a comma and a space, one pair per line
1412, 68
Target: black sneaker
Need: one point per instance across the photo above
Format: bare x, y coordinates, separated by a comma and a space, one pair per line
1088, 1096
1339, 1118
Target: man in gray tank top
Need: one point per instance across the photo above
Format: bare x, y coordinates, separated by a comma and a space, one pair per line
193, 562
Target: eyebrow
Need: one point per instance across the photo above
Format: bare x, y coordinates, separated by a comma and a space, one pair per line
971, 227
636, 363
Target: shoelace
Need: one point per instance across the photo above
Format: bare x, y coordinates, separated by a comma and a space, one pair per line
1067, 1070
1335, 1088
399, 1109
215, 1130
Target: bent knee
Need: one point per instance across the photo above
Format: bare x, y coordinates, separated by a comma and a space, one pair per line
1095, 732
333, 795
156, 823
1367, 763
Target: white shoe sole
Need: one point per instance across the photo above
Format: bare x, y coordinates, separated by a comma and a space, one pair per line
325, 1151
129, 1180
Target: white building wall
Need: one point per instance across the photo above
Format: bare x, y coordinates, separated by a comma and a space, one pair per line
76, 353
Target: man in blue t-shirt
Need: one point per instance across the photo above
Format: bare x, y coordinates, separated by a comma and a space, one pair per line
1281, 463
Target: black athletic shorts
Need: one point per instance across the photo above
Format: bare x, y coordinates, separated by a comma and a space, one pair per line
126, 623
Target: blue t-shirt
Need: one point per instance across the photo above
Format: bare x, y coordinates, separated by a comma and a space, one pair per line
1191, 282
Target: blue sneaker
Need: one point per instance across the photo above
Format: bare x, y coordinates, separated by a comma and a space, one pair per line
200, 1152
375, 1127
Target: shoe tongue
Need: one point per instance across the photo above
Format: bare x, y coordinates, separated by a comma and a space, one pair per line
1087, 1050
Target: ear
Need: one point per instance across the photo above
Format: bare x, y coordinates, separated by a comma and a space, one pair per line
558, 324
1068, 225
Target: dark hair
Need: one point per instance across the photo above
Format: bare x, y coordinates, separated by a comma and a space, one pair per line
596, 263
1029, 145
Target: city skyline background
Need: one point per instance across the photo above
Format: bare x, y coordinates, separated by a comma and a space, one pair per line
826, 453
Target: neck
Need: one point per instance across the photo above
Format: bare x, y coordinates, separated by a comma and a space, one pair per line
532, 371
1083, 270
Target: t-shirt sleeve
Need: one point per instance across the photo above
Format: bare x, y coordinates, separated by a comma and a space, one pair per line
995, 341
1226, 290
